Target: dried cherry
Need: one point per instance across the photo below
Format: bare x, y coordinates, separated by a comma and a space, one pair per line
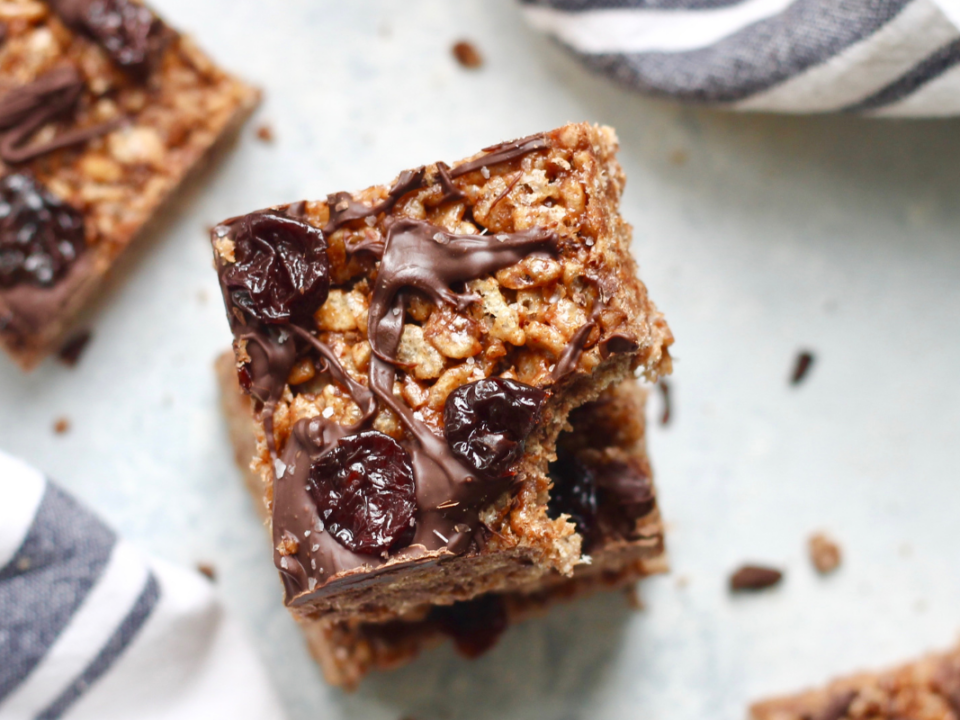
475, 625
282, 272
574, 493
487, 423
130, 33
40, 235
365, 493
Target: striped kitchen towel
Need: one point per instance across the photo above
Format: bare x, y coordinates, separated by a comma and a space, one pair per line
878, 57
92, 629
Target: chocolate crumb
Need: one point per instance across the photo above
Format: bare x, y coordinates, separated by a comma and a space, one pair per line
208, 570
61, 426
837, 707
824, 553
73, 348
801, 367
265, 133
665, 394
754, 577
467, 55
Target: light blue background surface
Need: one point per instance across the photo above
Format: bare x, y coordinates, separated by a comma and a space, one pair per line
757, 236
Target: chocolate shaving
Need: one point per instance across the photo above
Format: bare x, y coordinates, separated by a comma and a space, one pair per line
450, 190
801, 367
26, 109
754, 577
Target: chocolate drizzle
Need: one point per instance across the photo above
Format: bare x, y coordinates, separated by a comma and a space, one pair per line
502, 152
24, 110
343, 208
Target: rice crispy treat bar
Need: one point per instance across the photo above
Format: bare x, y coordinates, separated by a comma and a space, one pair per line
626, 543
104, 110
926, 689
414, 351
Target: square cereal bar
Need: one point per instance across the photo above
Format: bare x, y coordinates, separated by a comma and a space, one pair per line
926, 689
104, 110
414, 352
605, 443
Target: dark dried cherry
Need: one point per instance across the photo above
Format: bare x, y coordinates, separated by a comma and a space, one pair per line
475, 625
282, 272
40, 235
130, 33
487, 423
574, 493
365, 493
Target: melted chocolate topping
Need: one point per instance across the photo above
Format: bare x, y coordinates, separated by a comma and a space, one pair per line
502, 152
26, 109
343, 208
423, 257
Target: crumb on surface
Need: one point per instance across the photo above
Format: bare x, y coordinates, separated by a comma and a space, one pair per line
801, 367
679, 157
665, 395
824, 553
207, 570
61, 425
265, 133
467, 54
754, 577
73, 348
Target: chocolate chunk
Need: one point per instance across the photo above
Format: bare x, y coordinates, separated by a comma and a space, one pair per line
40, 235
467, 55
754, 577
801, 367
73, 348
475, 625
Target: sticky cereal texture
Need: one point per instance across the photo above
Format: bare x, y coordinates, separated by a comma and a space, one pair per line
166, 125
573, 322
926, 689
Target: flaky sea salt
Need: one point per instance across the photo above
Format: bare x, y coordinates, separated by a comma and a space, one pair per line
485, 171
279, 467
327, 412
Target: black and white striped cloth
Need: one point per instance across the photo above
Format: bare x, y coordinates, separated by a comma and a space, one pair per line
90, 629
879, 57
